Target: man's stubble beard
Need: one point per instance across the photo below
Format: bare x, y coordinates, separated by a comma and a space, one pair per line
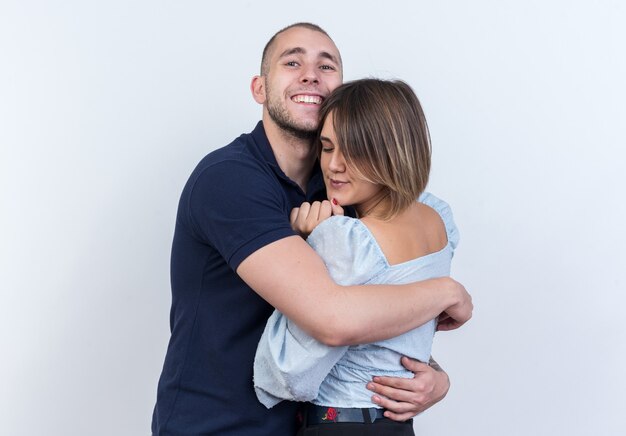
279, 114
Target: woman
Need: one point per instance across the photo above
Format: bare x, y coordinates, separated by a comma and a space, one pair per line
375, 156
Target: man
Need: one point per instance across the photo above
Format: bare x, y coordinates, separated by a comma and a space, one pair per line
235, 258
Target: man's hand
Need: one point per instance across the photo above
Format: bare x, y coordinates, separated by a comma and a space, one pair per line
306, 217
404, 398
458, 314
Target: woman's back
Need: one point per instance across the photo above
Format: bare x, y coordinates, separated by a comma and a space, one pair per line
415, 232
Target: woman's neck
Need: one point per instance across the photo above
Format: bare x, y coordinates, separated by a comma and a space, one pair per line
375, 208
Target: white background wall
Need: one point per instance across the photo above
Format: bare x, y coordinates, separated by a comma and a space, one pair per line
106, 106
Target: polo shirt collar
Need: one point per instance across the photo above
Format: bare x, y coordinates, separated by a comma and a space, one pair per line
315, 183
263, 144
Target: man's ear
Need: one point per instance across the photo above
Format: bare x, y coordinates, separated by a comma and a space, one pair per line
258, 89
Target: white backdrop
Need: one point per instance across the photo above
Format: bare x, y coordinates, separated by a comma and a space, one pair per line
106, 106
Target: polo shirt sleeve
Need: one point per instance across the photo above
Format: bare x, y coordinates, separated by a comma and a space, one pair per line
238, 207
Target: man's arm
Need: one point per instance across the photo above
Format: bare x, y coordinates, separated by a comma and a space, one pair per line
290, 276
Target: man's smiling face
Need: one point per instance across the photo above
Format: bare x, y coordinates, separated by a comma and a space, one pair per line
304, 67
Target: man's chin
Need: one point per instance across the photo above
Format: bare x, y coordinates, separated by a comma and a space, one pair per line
303, 134
300, 132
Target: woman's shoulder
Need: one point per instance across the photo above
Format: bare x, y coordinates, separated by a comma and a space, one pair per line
435, 202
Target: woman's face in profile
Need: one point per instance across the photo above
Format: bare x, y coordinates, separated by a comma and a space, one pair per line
343, 183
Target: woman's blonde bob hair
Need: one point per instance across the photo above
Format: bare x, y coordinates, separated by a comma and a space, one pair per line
382, 132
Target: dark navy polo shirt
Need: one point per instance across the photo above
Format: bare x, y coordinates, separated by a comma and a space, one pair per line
236, 201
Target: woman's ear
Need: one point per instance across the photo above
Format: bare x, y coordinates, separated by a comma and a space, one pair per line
258, 89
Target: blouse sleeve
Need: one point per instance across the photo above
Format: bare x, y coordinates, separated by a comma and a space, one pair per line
289, 364
445, 212
348, 249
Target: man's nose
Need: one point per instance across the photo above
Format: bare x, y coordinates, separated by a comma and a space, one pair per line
310, 75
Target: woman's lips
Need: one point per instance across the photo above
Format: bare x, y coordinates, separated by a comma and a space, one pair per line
337, 184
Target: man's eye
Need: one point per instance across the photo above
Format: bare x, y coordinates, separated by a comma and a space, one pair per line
327, 67
292, 64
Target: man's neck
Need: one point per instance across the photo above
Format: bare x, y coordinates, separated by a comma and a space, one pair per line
295, 156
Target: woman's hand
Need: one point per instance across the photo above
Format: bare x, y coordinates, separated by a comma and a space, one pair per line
306, 217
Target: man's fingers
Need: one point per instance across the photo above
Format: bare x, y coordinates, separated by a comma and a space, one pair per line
447, 325
414, 365
393, 406
397, 410
391, 382
391, 393
399, 416
404, 398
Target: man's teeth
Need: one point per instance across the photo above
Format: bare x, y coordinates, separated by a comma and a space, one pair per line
314, 99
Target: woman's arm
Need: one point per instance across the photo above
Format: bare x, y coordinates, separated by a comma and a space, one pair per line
289, 364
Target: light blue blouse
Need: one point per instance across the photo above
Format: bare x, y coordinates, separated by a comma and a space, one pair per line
291, 365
